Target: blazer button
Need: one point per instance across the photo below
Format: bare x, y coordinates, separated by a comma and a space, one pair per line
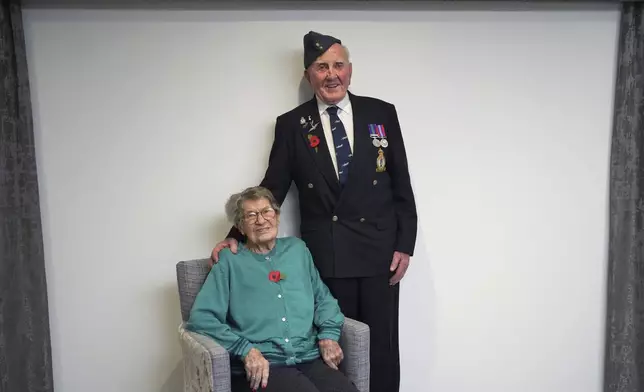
361, 219
335, 218
375, 182
310, 185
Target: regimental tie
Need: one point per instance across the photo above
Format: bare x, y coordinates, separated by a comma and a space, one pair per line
341, 143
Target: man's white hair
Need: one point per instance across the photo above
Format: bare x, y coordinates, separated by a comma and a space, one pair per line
346, 53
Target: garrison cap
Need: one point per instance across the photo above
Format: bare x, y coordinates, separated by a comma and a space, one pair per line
315, 44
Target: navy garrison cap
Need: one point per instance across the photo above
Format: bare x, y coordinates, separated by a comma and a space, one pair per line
315, 44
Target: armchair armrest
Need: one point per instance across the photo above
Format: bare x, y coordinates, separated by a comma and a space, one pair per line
206, 365
355, 345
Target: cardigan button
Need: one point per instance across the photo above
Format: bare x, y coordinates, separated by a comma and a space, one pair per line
335, 218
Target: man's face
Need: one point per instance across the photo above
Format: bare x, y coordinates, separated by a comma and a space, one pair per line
330, 75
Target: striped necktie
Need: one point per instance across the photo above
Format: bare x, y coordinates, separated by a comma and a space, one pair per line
341, 143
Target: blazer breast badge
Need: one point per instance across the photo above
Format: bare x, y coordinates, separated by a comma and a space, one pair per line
309, 126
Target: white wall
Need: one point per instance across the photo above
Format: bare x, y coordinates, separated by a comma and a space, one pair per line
147, 120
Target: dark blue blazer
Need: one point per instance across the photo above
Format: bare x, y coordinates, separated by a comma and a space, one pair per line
352, 231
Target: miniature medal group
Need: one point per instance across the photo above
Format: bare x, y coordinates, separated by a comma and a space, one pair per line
379, 140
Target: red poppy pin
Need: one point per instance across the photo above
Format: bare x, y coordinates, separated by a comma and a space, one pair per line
314, 141
276, 276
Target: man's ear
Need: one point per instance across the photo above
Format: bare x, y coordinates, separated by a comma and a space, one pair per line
306, 76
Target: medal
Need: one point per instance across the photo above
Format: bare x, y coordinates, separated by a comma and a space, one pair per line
376, 142
372, 131
377, 130
380, 161
384, 143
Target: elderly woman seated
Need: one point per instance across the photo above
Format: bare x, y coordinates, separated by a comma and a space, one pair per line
268, 307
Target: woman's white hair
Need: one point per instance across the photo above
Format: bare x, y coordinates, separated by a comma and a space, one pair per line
235, 204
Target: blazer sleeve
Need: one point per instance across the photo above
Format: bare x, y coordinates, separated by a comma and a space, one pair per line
403, 195
277, 177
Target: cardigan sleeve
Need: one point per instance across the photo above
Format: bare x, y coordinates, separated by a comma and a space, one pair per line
208, 314
327, 317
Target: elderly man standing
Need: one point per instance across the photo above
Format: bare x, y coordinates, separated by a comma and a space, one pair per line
346, 155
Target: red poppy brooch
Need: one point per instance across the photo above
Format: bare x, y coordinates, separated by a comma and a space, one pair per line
276, 276
314, 141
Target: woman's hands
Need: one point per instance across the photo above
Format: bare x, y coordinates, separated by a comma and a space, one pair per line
331, 353
256, 369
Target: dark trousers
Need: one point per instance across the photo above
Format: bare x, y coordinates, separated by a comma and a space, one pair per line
374, 302
313, 376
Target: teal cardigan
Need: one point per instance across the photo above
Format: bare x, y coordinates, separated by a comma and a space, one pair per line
241, 308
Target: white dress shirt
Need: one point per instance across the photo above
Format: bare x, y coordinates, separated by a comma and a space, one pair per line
345, 113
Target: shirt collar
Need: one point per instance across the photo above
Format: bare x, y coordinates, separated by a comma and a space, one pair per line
344, 105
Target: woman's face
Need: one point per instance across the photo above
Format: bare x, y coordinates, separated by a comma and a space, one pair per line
260, 221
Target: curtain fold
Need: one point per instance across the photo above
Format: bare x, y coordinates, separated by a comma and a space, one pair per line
624, 366
25, 347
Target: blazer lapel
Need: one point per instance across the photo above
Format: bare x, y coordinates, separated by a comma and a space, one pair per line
312, 129
361, 142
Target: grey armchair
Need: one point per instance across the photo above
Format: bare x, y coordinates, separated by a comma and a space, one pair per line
206, 364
